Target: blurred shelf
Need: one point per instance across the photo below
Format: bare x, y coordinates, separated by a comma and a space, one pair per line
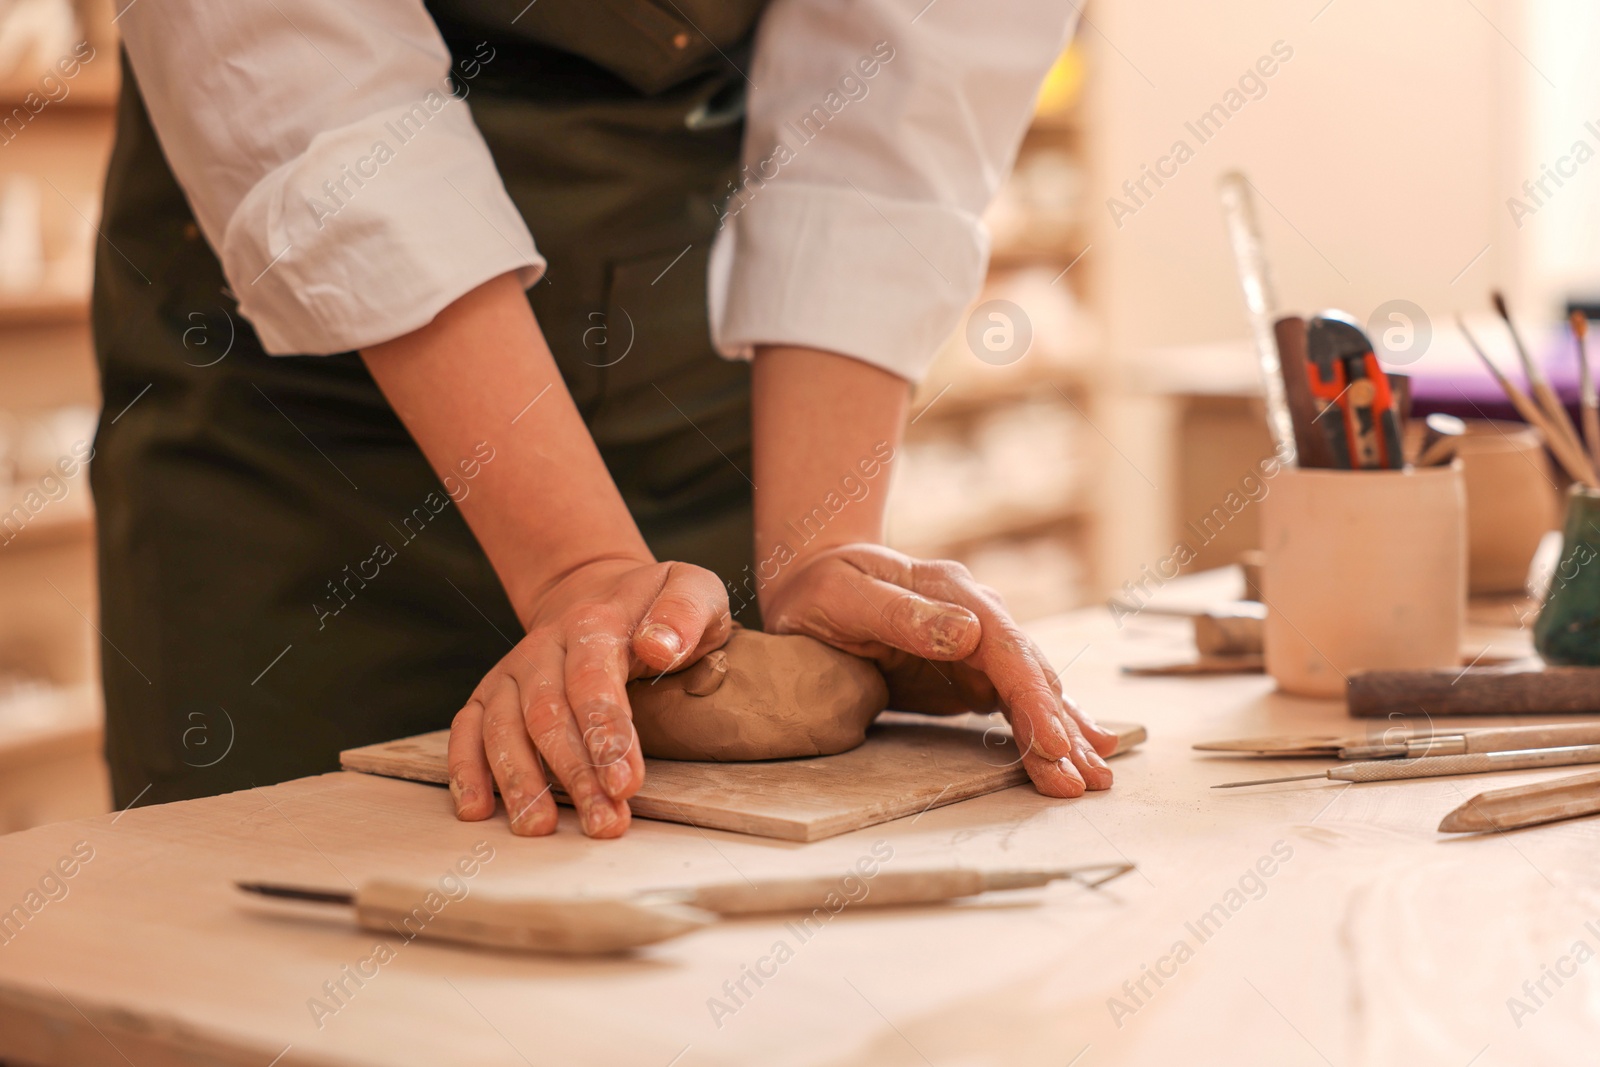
46, 722
94, 87
70, 519
944, 401
1014, 522
1057, 253
43, 310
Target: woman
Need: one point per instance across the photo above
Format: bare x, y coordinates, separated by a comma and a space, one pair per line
359, 471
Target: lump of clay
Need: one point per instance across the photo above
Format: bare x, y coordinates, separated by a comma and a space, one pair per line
760, 696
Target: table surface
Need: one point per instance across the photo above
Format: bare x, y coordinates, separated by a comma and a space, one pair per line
1372, 939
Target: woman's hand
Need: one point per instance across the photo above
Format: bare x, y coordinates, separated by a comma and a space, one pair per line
597, 607
946, 645
557, 703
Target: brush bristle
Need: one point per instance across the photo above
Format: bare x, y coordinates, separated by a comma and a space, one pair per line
1499, 299
1580, 325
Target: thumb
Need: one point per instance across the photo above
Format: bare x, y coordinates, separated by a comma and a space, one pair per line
688, 617
853, 608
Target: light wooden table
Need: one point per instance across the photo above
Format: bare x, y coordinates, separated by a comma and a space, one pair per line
1374, 940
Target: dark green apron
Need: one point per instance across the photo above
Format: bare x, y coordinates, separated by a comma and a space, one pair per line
241, 497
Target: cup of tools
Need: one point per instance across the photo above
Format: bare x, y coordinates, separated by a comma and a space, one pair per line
1567, 632
1364, 570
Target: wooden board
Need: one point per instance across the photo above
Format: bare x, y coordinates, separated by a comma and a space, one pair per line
907, 765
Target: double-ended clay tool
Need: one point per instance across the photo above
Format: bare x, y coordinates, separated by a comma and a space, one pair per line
1408, 744
583, 925
1478, 739
1389, 770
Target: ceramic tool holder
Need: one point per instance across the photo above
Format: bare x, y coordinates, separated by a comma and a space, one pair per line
1567, 631
1364, 570
1511, 503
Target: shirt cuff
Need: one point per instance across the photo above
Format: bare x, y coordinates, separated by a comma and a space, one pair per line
373, 230
869, 276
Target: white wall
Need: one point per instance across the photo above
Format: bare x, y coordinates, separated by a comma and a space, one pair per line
1386, 146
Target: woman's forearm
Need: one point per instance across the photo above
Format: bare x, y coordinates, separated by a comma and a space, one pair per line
825, 429
479, 380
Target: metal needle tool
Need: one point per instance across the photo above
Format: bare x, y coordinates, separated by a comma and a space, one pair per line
1439, 766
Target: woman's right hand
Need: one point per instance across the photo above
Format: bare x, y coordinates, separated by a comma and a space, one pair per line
557, 702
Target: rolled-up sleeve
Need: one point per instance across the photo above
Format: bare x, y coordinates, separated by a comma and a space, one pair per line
347, 193
878, 132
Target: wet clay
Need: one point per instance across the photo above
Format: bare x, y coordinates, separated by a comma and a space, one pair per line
760, 696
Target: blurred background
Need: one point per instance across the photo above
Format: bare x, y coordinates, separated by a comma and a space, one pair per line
1100, 401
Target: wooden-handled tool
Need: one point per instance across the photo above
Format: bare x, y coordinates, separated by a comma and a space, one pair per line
1441, 766
1441, 436
594, 925
1402, 742
1526, 805
1513, 689
1482, 739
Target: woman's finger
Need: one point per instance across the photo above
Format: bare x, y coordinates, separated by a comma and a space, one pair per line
548, 720
1054, 778
530, 808
471, 784
687, 618
596, 678
852, 609
1103, 740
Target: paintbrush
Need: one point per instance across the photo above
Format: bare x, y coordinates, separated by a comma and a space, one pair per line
1586, 390
1538, 385
1440, 766
1526, 805
1570, 455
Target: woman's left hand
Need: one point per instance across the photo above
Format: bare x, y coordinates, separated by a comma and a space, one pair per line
946, 645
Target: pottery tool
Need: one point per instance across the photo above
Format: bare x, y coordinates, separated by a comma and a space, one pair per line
1358, 415
1283, 747
1441, 766
1230, 630
1238, 213
1526, 805
1400, 386
1480, 739
582, 925
1521, 688
1311, 447
1245, 663
1566, 450
1403, 741
1587, 394
1441, 437
1538, 384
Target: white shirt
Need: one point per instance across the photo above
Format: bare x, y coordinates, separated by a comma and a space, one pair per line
860, 235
